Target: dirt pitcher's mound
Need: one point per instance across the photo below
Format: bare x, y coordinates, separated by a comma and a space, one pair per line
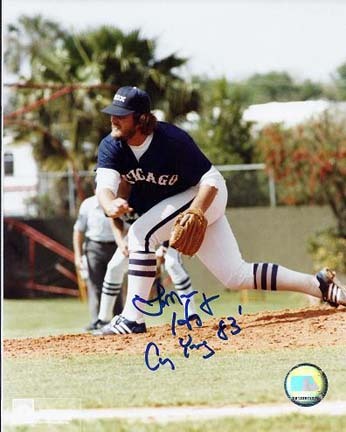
314, 326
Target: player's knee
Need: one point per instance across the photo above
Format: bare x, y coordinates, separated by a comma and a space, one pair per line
175, 269
241, 278
169, 263
112, 268
138, 238
135, 240
172, 267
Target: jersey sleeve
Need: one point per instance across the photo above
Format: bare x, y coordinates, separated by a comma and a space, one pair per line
107, 178
109, 155
193, 164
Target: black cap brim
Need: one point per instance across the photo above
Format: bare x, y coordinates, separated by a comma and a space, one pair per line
116, 110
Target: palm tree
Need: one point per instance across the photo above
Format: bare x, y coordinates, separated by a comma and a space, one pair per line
122, 59
93, 64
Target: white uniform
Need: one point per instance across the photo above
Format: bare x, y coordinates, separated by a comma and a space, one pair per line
166, 173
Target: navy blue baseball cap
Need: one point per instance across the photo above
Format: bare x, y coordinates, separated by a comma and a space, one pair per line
128, 100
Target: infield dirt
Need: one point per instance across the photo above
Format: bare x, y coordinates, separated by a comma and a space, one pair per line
301, 328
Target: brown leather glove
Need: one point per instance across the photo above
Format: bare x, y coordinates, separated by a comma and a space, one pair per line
188, 231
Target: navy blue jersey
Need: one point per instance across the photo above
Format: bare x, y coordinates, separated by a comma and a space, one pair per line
171, 164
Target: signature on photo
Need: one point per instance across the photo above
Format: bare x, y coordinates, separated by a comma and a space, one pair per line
155, 307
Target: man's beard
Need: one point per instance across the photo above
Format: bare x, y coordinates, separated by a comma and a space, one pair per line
116, 133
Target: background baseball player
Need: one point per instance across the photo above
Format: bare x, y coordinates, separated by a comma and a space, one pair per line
93, 246
170, 175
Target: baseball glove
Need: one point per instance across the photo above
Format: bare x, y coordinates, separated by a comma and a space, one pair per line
188, 231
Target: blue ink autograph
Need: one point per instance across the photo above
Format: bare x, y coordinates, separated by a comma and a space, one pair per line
160, 360
154, 307
189, 345
204, 306
157, 305
222, 326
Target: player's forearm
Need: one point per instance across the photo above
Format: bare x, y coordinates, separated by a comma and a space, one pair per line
78, 239
107, 184
105, 197
117, 226
119, 232
204, 198
112, 205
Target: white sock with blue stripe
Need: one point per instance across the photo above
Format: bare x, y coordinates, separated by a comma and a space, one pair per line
141, 275
110, 292
272, 277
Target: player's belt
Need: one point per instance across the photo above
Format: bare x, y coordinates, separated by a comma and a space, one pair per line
101, 242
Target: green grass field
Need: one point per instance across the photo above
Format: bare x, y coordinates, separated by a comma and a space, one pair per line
120, 381
291, 423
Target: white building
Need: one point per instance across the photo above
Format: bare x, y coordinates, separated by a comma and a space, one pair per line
20, 178
290, 113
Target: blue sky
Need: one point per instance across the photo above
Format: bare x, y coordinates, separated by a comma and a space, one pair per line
221, 38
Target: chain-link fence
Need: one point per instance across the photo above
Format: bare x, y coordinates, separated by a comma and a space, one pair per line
248, 185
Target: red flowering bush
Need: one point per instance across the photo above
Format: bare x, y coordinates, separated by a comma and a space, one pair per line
309, 166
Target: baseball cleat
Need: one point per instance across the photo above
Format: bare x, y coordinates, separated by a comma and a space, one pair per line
332, 290
96, 325
121, 325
